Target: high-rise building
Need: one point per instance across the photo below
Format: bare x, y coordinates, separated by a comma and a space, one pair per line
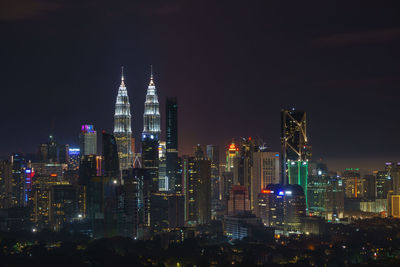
74, 158
352, 183
63, 206
88, 140
243, 164
171, 113
395, 177
317, 188
293, 139
190, 189
151, 133
383, 184
128, 204
264, 170
204, 190
282, 207
151, 116
163, 183
51, 152
334, 199
225, 187
18, 194
52, 146
369, 187
213, 156
122, 127
110, 156
238, 200
231, 154
197, 188
5, 184
297, 173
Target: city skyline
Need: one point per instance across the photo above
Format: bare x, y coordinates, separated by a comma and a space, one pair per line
199, 133
325, 68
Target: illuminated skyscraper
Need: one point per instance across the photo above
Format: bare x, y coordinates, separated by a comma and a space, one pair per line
151, 133
293, 139
162, 166
122, 127
88, 140
151, 116
231, 154
74, 157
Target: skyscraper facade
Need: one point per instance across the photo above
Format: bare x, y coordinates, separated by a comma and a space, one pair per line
264, 171
231, 154
110, 156
293, 139
122, 127
151, 133
213, 156
172, 142
151, 117
352, 183
88, 140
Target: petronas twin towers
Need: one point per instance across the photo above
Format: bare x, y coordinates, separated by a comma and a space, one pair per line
122, 121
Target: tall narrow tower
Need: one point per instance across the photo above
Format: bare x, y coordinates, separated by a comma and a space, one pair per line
122, 126
151, 133
151, 116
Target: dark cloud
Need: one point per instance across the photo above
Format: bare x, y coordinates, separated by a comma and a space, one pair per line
376, 36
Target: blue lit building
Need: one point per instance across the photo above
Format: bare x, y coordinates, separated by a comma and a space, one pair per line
74, 158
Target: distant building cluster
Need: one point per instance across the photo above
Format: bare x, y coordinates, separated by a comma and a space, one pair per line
149, 190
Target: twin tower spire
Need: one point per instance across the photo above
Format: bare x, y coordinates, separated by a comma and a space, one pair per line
123, 118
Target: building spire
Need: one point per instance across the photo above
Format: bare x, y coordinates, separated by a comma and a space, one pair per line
122, 76
151, 76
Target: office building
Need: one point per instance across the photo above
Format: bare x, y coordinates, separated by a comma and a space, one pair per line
239, 226
334, 199
74, 158
122, 127
264, 170
5, 184
204, 190
110, 156
171, 113
63, 206
18, 193
88, 140
383, 184
128, 201
151, 134
293, 139
213, 156
297, 174
197, 189
282, 207
238, 200
369, 187
352, 183
317, 188
163, 183
231, 154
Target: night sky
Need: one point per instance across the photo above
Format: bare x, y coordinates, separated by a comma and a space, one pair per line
232, 64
